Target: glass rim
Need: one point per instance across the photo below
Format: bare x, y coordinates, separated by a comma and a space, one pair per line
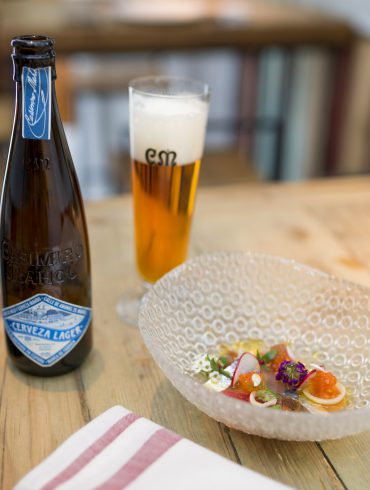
198, 88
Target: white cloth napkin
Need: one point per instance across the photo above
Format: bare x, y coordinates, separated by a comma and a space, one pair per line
120, 449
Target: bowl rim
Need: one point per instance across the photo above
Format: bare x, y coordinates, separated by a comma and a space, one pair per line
229, 403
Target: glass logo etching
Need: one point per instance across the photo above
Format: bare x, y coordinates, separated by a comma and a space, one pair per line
165, 158
44, 328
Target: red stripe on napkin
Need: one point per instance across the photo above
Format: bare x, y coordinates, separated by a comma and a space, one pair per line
160, 442
97, 447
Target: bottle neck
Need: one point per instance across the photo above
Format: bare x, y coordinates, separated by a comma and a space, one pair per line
34, 62
19, 96
36, 103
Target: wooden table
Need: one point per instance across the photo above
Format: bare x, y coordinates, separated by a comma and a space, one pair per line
325, 224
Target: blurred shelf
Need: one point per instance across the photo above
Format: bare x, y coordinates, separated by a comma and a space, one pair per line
97, 26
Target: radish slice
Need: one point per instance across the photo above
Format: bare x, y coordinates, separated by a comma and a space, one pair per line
256, 403
290, 353
327, 401
247, 362
239, 395
317, 367
306, 378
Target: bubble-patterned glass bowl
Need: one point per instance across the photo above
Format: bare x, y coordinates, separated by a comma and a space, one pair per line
223, 297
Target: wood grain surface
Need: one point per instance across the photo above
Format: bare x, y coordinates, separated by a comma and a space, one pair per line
325, 224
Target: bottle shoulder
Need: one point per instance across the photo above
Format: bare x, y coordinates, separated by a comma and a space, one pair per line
45, 167
41, 194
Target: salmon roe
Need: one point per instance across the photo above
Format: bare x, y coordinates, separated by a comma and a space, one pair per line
281, 356
251, 381
323, 385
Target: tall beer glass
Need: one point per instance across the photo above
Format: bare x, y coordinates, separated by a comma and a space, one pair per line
168, 118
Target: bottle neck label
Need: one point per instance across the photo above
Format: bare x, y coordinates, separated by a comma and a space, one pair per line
45, 329
36, 103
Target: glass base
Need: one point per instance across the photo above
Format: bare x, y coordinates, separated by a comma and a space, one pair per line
128, 306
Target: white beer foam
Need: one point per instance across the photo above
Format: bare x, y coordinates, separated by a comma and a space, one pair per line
169, 124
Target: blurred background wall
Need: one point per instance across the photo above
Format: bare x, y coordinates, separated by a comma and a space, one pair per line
350, 142
290, 83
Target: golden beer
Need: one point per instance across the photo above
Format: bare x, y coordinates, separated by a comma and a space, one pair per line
168, 118
163, 207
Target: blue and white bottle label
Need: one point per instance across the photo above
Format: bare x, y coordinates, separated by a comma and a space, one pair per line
36, 103
44, 328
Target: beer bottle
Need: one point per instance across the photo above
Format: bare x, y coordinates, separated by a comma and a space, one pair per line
45, 262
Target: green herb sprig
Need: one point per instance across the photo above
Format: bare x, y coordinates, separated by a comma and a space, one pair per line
219, 365
267, 357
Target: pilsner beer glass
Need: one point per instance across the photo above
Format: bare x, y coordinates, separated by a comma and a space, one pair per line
168, 118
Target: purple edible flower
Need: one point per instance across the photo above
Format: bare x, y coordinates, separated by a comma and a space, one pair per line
291, 373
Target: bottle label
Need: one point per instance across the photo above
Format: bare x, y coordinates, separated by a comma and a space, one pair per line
46, 329
36, 103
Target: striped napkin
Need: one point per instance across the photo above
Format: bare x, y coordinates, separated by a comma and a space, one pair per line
120, 449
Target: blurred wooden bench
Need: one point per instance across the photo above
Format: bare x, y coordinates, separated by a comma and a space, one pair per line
218, 168
226, 166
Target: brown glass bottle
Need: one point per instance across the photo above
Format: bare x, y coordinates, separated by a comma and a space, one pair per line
45, 261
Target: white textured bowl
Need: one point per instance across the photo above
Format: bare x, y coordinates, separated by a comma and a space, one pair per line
223, 297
